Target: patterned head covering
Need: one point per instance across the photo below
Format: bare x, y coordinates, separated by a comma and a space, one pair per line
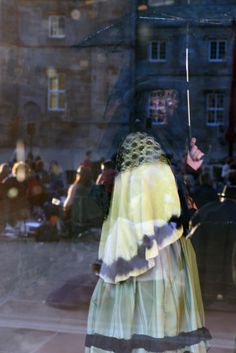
138, 148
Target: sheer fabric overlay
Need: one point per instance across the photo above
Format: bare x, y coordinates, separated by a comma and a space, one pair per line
156, 308
143, 218
148, 297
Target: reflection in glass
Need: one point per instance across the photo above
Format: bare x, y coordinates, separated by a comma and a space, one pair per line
162, 104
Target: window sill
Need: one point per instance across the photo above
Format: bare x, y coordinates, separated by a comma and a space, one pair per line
157, 61
56, 110
56, 37
214, 124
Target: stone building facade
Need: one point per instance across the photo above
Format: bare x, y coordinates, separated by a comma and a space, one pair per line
75, 74
61, 81
163, 34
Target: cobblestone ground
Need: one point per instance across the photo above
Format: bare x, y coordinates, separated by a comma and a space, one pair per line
31, 271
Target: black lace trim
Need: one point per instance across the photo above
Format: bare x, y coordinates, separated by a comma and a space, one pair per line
150, 344
124, 267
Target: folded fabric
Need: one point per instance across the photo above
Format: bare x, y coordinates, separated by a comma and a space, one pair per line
144, 218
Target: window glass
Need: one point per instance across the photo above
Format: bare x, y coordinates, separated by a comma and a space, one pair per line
57, 26
98, 244
215, 108
157, 51
217, 50
56, 92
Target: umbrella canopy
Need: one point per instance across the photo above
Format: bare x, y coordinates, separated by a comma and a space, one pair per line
216, 213
213, 236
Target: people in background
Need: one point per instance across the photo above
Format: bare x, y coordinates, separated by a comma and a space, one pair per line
41, 172
204, 192
16, 194
232, 172
81, 206
87, 161
82, 185
56, 179
226, 169
107, 176
4, 171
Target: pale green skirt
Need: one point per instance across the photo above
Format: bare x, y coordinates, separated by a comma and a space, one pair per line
160, 311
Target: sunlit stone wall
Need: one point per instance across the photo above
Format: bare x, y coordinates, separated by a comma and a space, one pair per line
91, 49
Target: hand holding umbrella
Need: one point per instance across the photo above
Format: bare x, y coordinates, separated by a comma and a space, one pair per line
194, 155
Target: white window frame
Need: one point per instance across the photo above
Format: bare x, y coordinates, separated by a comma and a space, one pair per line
160, 2
57, 92
158, 59
57, 18
215, 109
217, 59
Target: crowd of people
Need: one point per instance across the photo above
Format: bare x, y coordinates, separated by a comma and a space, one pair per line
208, 183
28, 187
89, 196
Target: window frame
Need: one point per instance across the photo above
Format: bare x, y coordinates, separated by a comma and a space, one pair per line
217, 41
158, 42
57, 92
215, 109
50, 19
160, 3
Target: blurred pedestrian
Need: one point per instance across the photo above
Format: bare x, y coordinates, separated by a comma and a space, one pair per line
81, 205
87, 161
56, 179
225, 170
4, 171
204, 191
232, 172
107, 176
41, 172
16, 194
81, 185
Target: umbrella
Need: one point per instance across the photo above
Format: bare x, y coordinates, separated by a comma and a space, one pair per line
216, 213
214, 238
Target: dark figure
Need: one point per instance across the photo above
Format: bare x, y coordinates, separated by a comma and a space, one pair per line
87, 161
232, 173
15, 188
107, 176
56, 182
30, 161
81, 206
106, 179
40, 172
213, 237
4, 171
204, 192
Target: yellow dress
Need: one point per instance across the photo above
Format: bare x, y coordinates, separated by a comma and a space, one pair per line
148, 297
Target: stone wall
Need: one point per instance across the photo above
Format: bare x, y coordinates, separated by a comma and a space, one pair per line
93, 117
205, 76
